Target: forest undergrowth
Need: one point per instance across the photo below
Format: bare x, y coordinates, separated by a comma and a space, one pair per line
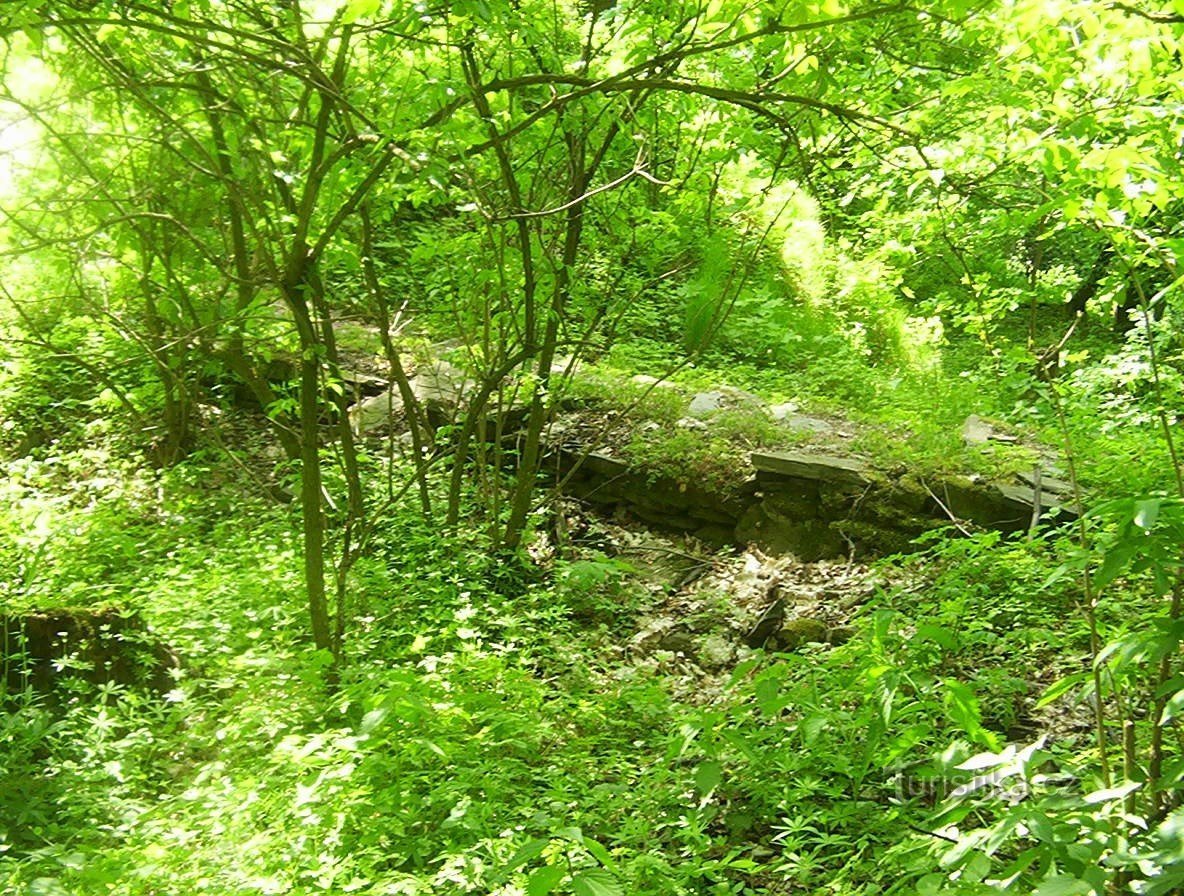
398, 659
489, 731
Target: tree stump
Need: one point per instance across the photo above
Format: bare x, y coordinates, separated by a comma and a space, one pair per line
39, 649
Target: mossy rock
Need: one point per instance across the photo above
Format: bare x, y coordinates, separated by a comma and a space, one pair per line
840, 634
797, 632
879, 540
809, 540
910, 494
838, 502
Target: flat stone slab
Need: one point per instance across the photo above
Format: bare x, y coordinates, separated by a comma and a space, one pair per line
787, 415
363, 380
565, 364
1048, 483
441, 382
1025, 497
820, 467
376, 412
602, 464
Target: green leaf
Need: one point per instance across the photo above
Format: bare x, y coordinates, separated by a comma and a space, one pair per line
1062, 885
600, 854
359, 9
1041, 827
881, 624
596, 883
930, 884
962, 707
1173, 709
708, 776
372, 720
768, 695
544, 880
1112, 793
1115, 562
526, 852
977, 868
939, 635
1147, 512
1059, 688
36, 39
47, 886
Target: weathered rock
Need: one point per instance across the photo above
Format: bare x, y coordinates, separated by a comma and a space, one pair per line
566, 365
716, 534
778, 484
876, 540
779, 508
884, 518
809, 504
1006, 507
440, 388
839, 502
654, 635
783, 411
376, 413
968, 499
908, 493
808, 539
363, 383
705, 404
644, 379
662, 518
678, 642
600, 464
803, 423
804, 465
1023, 496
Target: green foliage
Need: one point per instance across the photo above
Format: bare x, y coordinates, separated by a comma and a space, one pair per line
890, 214
686, 455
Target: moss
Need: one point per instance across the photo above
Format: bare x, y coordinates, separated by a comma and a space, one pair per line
688, 456
796, 632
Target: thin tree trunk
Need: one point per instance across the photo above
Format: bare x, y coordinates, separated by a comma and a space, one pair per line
312, 512
530, 460
412, 409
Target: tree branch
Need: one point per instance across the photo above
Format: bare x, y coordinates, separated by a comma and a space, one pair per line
1160, 18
